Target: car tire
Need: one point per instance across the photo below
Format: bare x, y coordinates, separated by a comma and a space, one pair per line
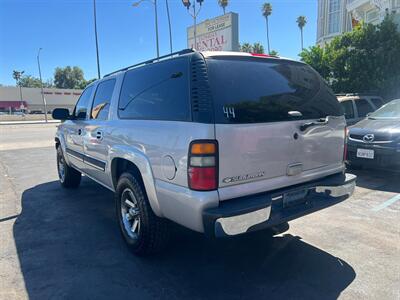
142, 230
68, 176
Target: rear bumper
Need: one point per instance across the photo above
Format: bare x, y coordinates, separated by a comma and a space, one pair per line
268, 209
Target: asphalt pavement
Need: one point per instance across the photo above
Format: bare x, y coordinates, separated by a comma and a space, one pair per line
65, 244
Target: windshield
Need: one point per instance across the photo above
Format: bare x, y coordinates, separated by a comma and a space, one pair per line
388, 111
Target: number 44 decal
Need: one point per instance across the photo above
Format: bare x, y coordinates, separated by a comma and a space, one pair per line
229, 112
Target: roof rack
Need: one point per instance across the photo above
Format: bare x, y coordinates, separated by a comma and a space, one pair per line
182, 52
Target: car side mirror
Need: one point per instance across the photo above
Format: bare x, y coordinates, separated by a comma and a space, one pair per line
61, 114
368, 114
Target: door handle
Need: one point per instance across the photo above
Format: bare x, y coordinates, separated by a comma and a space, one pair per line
99, 135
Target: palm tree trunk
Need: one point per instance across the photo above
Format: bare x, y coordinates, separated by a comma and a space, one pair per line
301, 30
223, 9
266, 20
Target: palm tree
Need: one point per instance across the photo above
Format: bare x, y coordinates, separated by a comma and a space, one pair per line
301, 22
223, 4
267, 11
258, 48
246, 47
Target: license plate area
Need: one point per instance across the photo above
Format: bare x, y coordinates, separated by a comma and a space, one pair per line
294, 198
365, 153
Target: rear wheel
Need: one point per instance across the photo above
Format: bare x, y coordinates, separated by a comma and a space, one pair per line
68, 176
143, 231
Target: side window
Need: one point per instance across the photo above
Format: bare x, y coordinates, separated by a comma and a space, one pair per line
363, 107
348, 109
158, 91
82, 104
102, 99
377, 102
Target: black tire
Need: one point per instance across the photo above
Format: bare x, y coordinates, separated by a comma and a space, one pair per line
150, 234
68, 176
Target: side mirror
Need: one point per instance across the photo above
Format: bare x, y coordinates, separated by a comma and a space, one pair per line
60, 114
368, 114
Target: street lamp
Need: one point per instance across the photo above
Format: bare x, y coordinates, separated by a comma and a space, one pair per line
194, 15
95, 35
154, 2
41, 86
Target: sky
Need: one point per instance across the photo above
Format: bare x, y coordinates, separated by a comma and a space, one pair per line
126, 34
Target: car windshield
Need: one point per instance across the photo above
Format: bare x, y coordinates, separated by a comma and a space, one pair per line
388, 111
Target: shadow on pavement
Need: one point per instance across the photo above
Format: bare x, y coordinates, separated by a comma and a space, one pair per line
377, 180
69, 246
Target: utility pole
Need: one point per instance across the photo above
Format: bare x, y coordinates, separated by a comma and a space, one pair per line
154, 2
41, 87
169, 25
97, 44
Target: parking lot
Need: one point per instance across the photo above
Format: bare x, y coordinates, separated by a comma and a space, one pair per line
59, 243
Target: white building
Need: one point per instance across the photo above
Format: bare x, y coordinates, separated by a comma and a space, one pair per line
338, 16
10, 99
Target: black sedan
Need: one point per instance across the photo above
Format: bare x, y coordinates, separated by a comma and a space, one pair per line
375, 141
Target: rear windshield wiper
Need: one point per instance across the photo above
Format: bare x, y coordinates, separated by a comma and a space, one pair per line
319, 122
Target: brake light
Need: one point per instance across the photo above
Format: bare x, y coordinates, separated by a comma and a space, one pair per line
203, 165
346, 132
264, 55
260, 55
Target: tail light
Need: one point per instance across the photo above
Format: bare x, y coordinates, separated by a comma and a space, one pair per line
346, 133
203, 165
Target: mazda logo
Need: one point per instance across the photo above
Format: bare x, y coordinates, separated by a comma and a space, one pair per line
368, 138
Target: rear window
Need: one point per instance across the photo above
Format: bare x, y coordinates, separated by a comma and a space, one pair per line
249, 90
363, 107
377, 102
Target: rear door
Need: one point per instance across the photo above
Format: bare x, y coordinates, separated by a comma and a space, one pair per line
260, 106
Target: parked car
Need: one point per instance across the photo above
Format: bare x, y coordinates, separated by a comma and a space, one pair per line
220, 142
356, 106
375, 141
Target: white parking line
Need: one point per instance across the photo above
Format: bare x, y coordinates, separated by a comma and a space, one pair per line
387, 203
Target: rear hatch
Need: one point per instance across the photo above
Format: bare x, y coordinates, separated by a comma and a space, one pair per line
277, 124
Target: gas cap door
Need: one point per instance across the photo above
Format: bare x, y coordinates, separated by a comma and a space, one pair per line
168, 167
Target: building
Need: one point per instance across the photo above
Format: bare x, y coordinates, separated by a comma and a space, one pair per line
338, 16
10, 99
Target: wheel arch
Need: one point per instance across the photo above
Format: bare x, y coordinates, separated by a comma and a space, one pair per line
128, 160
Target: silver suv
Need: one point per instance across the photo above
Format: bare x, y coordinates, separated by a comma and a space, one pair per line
220, 142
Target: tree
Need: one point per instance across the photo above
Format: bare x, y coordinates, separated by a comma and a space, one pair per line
223, 4
273, 52
301, 22
366, 59
246, 47
266, 12
258, 48
69, 78
30, 81
17, 76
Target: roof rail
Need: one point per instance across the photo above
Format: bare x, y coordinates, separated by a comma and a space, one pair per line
182, 52
372, 93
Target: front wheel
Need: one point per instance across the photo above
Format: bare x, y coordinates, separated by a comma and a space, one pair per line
143, 231
68, 176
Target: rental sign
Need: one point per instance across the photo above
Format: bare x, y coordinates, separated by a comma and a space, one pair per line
218, 34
